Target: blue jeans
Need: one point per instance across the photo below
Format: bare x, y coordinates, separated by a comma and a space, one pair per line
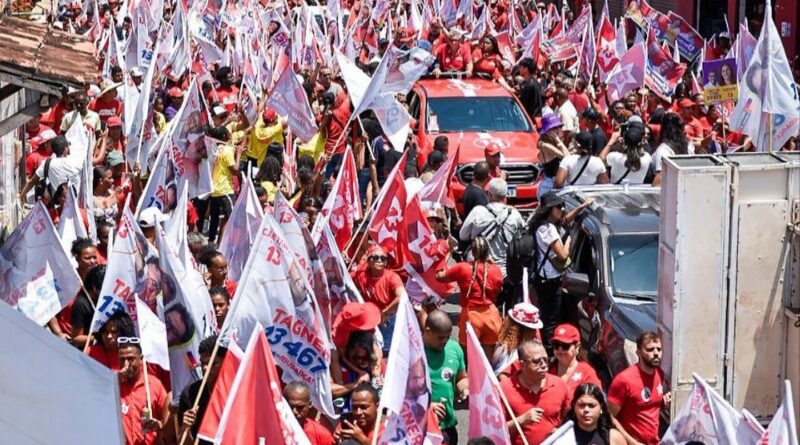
363, 183
333, 162
387, 332
546, 186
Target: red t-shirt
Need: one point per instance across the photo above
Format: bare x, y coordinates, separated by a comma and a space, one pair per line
228, 97
452, 61
106, 109
490, 64
552, 398
316, 433
381, 291
36, 132
33, 160
583, 373
579, 100
639, 397
473, 291
133, 400
341, 115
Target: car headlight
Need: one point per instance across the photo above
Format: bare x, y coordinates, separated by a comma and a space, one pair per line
630, 352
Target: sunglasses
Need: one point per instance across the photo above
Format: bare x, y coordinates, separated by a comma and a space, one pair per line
383, 258
562, 346
128, 340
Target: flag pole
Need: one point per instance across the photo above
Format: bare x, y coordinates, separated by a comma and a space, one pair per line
147, 387
771, 118
377, 426
510, 411
200, 390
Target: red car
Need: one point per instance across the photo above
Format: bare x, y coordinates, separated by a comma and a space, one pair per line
474, 113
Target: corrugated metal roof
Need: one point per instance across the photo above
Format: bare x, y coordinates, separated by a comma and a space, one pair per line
44, 54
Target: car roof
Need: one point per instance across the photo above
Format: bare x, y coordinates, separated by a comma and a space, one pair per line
462, 88
620, 209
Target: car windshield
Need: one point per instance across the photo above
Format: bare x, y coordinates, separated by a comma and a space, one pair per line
634, 264
451, 114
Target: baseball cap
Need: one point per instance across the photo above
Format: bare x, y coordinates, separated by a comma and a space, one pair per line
566, 333
175, 92
270, 115
43, 137
527, 315
584, 140
354, 317
150, 216
219, 111
492, 149
114, 121
114, 158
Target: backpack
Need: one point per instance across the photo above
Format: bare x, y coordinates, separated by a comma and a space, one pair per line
520, 254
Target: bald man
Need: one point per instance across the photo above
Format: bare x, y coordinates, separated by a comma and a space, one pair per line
447, 370
298, 397
539, 400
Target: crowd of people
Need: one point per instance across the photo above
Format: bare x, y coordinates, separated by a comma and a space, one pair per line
586, 137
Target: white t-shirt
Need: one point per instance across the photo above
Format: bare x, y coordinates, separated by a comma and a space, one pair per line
616, 160
545, 235
573, 165
665, 150
61, 170
569, 116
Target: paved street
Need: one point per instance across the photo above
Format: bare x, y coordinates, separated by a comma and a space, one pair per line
462, 411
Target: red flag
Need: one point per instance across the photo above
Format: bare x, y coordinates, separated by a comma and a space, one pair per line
662, 74
219, 395
389, 209
255, 408
486, 415
343, 206
422, 254
607, 57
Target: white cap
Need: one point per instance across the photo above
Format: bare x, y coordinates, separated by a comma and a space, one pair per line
136, 72
150, 216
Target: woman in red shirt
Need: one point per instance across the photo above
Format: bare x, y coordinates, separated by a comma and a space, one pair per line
480, 281
453, 55
566, 343
486, 59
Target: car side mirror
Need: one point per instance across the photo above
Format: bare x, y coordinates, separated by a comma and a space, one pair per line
576, 284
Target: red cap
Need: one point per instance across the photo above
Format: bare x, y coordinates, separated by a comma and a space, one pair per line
566, 333
354, 317
493, 148
114, 121
686, 103
270, 115
175, 92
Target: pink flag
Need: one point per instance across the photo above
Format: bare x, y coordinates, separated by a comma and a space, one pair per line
36, 276
343, 206
422, 255
629, 73
486, 414
288, 98
241, 230
436, 190
607, 56
256, 408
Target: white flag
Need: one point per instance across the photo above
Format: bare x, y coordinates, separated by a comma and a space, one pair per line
70, 225
707, 417
564, 435
152, 336
36, 276
188, 315
240, 232
342, 289
782, 430
273, 291
768, 92
408, 396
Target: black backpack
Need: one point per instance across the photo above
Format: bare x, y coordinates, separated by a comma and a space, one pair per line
520, 254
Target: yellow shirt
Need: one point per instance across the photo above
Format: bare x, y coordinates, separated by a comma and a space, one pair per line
159, 121
236, 136
222, 176
260, 138
314, 147
271, 189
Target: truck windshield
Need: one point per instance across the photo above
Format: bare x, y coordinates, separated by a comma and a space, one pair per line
451, 114
634, 264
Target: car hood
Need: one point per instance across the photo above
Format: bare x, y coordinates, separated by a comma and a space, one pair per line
632, 317
515, 146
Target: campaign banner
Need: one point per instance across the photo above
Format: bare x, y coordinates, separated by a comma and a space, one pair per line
720, 81
680, 32
559, 48
662, 73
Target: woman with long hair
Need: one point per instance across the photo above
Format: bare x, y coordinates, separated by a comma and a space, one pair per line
728, 77
487, 60
592, 422
551, 151
581, 168
480, 282
673, 142
521, 323
633, 161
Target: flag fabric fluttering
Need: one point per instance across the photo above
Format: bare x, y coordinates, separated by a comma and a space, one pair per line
782, 430
628, 75
37, 276
288, 98
343, 206
486, 413
768, 109
152, 336
240, 232
219, 394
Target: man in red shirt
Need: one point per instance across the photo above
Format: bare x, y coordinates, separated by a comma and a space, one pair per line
494, 158
40, 150
335, 118
34, 127
538, 399
382, 287
141, 425
637, 394
453, 55
227, 93
298, 397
